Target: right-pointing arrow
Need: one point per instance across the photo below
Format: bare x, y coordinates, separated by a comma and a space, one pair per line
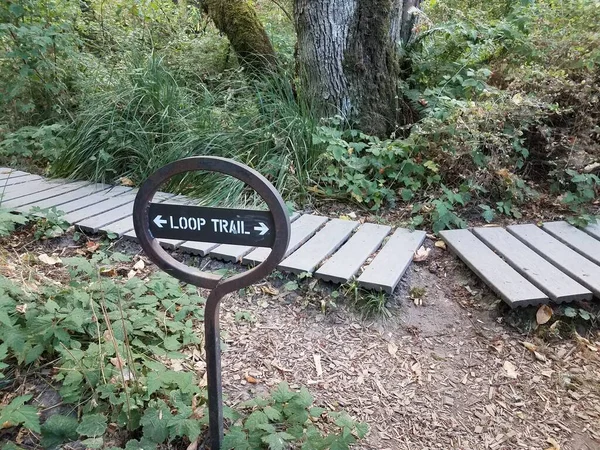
159, 221
262, 228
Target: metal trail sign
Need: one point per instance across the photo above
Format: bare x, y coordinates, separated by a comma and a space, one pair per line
217, 225
228, 226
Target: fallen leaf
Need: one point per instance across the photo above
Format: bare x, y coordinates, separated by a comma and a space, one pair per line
117, 362
422, 254
92, 246
510, 370
139, 265
392, 348
124, 181
529, 346
22, 309
553, 443
193, 445
50, 260
108, 272
440, 244
540, 357
543, 315
131, 274
250, 379
269, 290
352, 215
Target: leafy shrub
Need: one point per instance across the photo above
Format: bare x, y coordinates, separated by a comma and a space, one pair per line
40, 144
10, 221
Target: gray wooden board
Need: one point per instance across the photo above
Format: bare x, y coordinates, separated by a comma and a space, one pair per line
320, 246
93, 199
390, 264
235, 253
96, 208
302, 230
67, 197
21, 190
593, 230
578, 240
101, 221
121, 226
569, 261
513, 288
346, 262
36, 197
550, 280
18, 180
10, 173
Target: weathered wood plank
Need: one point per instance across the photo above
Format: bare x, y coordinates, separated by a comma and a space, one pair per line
33, 199
550, 280
320, 246
16, 191
569, 261
101, 207
346, 262
235, 253
10, 173
301, 231
100, 221
10, 181
93, 199
390, 264
513, 288
593, 230
578, 240
61, 199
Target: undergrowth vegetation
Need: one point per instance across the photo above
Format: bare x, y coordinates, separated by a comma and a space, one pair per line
506, 96
114, 347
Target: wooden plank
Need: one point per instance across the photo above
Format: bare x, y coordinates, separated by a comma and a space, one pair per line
572, 237
235, 253
18, 180
302, 230
320, 246
513, 288
346, 262
100, 221
593, 230
390, 264
569, 261
550, 280
121, 226
102, 207
6, 173
93, 199
61, 199
21, 190
33, 199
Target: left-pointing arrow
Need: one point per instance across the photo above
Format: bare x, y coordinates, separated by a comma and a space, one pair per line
159, 221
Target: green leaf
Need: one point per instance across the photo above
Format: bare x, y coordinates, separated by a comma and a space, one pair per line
570, 312
255, 419
17, 413
95, 442
57, 430
92, 425
235, 439
315, 411
278, 441
155, 423
189, 428
282, 393
361, 429
584, 314
272, 413
16, 10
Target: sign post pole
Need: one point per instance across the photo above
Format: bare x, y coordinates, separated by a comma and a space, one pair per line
218, 225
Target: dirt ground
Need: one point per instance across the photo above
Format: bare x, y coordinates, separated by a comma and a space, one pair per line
444, 371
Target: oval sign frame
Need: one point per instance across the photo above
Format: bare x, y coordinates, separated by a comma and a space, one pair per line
262, 186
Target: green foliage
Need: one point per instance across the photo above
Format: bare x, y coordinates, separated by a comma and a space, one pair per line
18, 413
41, 144
57, 430
286, 418
49, 223
9, 221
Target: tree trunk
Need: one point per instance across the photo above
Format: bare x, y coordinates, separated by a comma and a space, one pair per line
349, 59
239, 22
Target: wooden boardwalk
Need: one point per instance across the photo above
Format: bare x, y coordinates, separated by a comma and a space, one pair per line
530, 264
331, 249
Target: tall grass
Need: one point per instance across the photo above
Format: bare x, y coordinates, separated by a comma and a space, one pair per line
145, 119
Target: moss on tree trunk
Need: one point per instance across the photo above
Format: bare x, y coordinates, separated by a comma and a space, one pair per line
239, 22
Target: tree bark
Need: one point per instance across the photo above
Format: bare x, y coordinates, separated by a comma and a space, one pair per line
349, 59
239, 22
